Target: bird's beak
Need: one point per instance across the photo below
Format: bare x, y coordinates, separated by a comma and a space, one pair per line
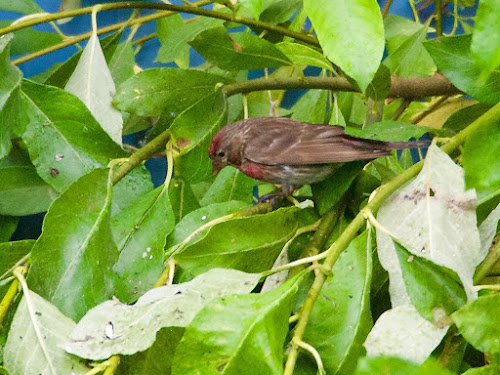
215, 168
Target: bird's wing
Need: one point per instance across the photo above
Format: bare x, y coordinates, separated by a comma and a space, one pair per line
275, 141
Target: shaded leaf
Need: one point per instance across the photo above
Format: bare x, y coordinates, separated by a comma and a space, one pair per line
140, 232
45, 355
71, 261
488, 229
193, 131
29, 40
237, 51
230, 184
182, 198
453, 59
351, 34
311, 107
8, 225
157, 359
148, 93
12, 252
460, 119
391, 131
23, 191
135, 326
238, 334
479, 323
429, 286
10, 80
327, 193
380, 86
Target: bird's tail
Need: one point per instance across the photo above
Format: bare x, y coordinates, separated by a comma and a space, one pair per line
412, 144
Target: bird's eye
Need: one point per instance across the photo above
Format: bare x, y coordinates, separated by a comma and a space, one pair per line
222, 154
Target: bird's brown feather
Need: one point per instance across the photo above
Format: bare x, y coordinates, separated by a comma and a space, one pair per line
275, 141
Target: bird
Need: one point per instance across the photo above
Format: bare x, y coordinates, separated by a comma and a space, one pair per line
292, 153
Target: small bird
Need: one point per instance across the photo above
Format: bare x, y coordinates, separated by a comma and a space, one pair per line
292, 153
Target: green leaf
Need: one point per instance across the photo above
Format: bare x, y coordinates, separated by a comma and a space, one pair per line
122, 62
460, 119
395, 25
398, 366
29, 40
132, 187
238, 334
193, 131
311, 107
148, 93
430, 286
485, 47
157, 359
380, 86
71, 261
492, 369
10, 81
23, 191
300, 54
341, 317
195, 219
408, 57
234, 244
479, 323
279, 11
12, 122
12, 252
92, 83
351, 34
237, 51
230, 184
8, 225
391, 131
60, 76
140, 232
252, 6
41, 327
63, 139
182, 198
134, 326
21, 6
481, 162
453, 58
174, 35
328, 192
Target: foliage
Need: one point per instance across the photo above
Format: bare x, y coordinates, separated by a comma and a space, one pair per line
176, 279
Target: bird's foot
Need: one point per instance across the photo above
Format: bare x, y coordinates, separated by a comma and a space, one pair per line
276, 200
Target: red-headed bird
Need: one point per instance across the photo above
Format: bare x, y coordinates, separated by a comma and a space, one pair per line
292, 153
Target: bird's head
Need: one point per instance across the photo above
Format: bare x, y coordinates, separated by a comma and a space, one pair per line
218, 153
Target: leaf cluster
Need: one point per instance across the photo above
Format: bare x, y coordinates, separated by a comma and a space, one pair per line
192, 276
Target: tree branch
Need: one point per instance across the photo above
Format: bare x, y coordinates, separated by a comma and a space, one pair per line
161, 6
410, 88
